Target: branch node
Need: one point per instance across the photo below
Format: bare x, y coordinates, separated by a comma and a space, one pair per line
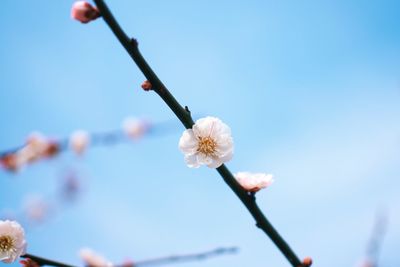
187, 109
134, 42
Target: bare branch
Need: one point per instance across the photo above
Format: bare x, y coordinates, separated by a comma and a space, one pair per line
131, 46
184, 257
45, 262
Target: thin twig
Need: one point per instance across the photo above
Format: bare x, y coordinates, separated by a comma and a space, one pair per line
131, 46
45, 262
149, 262
185, 257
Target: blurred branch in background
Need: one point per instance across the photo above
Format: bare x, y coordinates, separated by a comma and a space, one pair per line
374, 245
37, 209
185, 257
92, 259
38, 147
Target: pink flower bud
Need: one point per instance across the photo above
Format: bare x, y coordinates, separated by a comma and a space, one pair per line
29, 263
84, 12
146, 85
253, 182
307, 261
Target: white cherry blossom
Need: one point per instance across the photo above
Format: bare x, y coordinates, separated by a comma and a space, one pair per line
12, 241
209, 142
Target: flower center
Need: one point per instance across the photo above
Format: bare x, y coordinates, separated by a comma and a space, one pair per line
6, 243
207, 146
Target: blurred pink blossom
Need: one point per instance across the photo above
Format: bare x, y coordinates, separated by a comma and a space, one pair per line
135, 128
36, 209
93, 259
79, 141
365, 263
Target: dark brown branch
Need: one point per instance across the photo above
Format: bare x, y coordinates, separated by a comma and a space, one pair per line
149, 262
131, 46
45, 262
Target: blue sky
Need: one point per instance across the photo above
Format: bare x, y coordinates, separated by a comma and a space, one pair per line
311, 90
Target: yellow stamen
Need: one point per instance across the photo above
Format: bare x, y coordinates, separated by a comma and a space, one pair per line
6, 243
207, 146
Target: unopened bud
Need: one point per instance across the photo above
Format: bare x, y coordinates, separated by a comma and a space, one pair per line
307, 261
84, 12
29, 263
146, 85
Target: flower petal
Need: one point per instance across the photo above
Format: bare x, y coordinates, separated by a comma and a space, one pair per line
225, 147
216, 162
220, 129
205, 126
188, 143
191, 161
203, 159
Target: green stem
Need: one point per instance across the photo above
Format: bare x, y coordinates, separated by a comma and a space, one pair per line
184, 116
